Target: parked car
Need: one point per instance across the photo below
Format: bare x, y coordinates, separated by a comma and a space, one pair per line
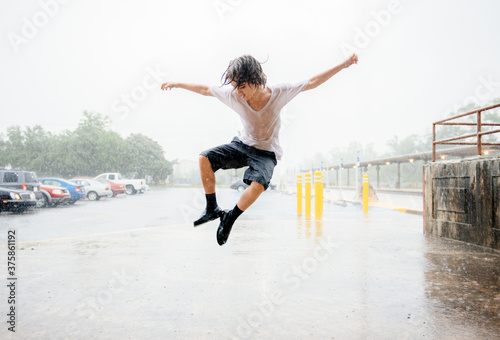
21, 180
77, 192
116, 188
133, 186
95, 190
16, 200
240, 185
54, 196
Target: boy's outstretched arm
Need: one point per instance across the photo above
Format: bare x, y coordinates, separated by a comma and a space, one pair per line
197, 88
324, 76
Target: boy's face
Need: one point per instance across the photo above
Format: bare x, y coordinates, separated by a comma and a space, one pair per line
245, 90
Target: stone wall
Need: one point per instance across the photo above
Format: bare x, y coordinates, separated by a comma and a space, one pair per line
462, 200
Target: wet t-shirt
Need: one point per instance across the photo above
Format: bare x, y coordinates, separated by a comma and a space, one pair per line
261, 128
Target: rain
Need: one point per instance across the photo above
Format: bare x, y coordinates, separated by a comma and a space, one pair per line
108, 166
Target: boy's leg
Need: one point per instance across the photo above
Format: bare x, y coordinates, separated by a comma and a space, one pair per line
247, 198
250, 195
259, 173
207, 175
212, 211
225, 156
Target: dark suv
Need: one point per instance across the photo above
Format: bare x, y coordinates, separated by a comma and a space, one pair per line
15, 200
21, 180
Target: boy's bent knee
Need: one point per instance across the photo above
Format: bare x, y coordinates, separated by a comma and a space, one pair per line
205, 165
257, 186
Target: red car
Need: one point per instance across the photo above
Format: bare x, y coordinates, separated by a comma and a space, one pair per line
116, 188
54, 196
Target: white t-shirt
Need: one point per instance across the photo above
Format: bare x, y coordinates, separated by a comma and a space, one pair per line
261, 128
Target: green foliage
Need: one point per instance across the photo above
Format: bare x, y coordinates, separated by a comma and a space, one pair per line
95, 148
90, 149
146, 158
408, 145
349, 153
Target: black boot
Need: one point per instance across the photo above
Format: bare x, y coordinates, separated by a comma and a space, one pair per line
226, 224
208, 215
211, 212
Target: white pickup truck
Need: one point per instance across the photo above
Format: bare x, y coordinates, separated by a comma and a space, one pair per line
133, 186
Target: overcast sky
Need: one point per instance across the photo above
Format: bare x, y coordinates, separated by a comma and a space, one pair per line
417, 61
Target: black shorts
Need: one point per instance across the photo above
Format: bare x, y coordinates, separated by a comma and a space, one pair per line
237, 155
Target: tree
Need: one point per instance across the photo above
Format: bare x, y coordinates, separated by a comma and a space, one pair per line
64, 161
349, 153
90, 149
95, 148
408, 145
37, 147
3, 150
146, 158
14, 146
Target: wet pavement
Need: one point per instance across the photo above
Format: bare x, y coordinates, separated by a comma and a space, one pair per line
135, 268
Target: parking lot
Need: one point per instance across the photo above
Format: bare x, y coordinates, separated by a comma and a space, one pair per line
133, 267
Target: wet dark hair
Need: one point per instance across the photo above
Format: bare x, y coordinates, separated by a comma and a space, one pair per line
245, 69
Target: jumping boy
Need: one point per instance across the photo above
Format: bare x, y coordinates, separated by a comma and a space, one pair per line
258, 106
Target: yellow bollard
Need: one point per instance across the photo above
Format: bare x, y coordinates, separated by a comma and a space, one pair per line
322, 193
308, 194
318, 199
365, 192
299, 194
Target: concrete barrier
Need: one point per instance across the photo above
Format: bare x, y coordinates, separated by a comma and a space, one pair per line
461, 200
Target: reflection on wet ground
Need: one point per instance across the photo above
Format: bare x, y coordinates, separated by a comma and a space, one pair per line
307, 228
462, 285
349, 276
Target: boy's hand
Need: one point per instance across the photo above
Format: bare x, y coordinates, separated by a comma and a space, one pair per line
168, 86
351, 60
197, 88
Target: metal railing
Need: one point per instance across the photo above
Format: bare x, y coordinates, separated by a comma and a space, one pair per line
478, 134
